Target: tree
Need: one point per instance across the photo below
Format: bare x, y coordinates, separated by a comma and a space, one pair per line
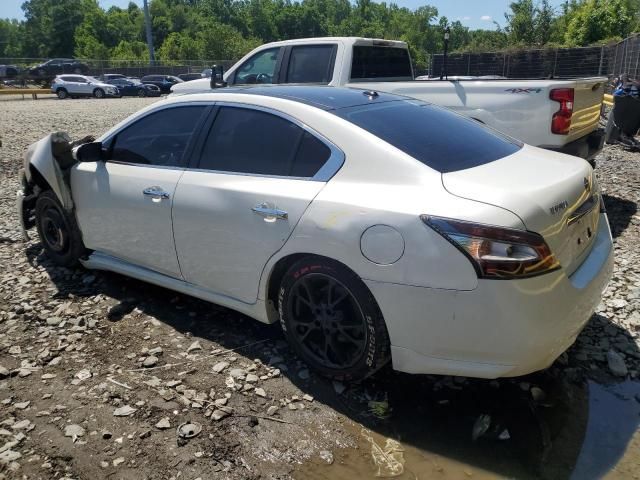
11, 32
595, 20
50, 26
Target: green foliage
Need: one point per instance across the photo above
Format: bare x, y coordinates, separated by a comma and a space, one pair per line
227, 29
595, 20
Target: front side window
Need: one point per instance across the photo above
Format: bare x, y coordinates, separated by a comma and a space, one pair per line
260, 68
159, 138
255, 142
310, 64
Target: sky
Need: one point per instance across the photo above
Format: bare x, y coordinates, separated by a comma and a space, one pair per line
472, 13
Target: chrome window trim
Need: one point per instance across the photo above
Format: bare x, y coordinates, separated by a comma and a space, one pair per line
160, 107
324, 174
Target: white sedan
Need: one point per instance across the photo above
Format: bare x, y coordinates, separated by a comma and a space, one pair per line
371, 226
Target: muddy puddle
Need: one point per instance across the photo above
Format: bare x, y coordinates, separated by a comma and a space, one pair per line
539, 427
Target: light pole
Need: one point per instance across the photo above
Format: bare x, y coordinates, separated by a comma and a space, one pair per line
443, 73
147, 23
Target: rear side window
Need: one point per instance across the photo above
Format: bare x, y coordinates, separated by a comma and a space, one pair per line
159, 138
255, 142
380, 62
311, 156
310, 64
441, 139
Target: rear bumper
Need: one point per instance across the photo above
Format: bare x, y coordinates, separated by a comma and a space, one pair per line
586, 147
500, 329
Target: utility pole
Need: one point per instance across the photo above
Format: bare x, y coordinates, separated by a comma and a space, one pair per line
147, 23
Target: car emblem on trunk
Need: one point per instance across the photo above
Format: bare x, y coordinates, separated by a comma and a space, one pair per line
557, 208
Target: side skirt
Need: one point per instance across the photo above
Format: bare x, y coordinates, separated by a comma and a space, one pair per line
102, 261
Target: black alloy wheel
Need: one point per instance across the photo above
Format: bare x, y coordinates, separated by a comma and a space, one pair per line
58, 231
332, 320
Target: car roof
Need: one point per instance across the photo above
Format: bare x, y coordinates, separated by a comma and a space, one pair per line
322, 97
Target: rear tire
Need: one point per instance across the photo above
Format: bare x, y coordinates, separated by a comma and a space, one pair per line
58, 231
332, 320
98, 93
62, 93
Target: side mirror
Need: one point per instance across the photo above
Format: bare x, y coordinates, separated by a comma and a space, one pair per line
88, 152
217, 77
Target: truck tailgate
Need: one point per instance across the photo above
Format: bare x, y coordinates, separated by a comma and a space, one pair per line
587, 101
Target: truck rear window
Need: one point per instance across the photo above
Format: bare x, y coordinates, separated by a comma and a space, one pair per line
437, 137
380, 62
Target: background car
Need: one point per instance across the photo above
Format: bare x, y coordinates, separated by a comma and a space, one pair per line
9, 71
56, 66
129, 87
111, 76
163, 82
185, 77
355, 219
73, 86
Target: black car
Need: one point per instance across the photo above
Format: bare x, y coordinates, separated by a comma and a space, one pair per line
131, 87
186, 77
9, 71
105, 77
57, 66
163, 82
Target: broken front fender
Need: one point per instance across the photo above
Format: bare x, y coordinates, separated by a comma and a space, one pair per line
40, 157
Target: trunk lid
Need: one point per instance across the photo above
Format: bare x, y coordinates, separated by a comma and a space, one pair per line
553, 194
587, 102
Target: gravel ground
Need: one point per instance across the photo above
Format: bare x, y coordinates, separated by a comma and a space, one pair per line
98, 372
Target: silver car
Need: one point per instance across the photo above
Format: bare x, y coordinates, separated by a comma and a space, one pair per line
74, 86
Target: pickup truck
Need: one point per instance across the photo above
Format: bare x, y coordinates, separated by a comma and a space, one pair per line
557, 114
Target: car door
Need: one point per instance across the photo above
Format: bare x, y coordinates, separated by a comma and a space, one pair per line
257, 173
123, 205
81, 85
71, 84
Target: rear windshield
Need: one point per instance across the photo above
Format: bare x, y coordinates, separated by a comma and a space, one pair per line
380, 62
439, 138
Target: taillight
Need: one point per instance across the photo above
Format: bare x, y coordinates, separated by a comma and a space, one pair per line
561, 120
497, 252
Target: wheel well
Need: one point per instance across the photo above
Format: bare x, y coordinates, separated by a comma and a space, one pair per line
277, 274
38, 179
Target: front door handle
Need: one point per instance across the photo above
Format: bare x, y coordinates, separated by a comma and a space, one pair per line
155, 192
266, 211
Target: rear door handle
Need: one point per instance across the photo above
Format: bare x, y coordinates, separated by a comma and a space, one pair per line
155, 192
266, 211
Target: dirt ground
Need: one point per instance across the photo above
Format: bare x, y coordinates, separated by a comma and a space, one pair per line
102, 376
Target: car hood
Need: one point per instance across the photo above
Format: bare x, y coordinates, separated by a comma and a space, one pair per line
547, 190
192, 86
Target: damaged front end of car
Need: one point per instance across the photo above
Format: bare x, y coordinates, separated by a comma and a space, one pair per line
46, 167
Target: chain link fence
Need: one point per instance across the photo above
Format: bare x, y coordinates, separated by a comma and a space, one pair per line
131, 68
608, 60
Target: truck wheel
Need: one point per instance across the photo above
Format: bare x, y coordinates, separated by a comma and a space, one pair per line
98, 93
62, 93
332, 320
58, 231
